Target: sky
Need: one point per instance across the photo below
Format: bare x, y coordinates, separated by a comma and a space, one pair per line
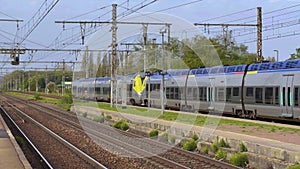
281, 17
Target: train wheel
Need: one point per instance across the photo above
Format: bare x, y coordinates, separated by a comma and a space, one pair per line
132, 102
146, 102
239, 113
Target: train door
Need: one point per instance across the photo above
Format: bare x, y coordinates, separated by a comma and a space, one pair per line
286, 95
211, 94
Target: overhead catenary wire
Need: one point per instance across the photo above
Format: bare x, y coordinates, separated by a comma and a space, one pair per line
76, 37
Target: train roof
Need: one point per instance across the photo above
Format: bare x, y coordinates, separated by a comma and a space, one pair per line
288, 64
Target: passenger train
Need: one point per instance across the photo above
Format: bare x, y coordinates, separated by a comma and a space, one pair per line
268, 90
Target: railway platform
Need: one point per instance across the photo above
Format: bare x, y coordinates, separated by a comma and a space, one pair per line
11, 155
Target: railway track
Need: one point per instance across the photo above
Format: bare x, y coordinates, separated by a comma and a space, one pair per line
59, 146
157, 153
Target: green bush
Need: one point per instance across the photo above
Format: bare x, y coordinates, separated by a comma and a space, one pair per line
243, 147
190, 145
99, 119
37, 96
20, 141
124, 126
67, 99
204, 149
108, 117
153, 133
215, 146
221, 154
195, 137
121, 124
239, 159
223, 143
296, 166
84, 114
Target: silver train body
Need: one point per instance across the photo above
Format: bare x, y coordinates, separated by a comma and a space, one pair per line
269, 90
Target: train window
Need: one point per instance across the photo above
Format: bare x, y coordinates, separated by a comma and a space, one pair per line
277, 95
172, 91
236, 91
296, 96
228, 94
289, 97
176, 93
249, 92
283, 96
190, 91
269, 95
259, 95
209, 94
221, 94
195, 94
201, 93
168, 93
158, 87
97, 90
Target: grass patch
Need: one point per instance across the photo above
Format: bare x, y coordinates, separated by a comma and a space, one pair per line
243, 147
60, 102
121, 124
108, 117
223, 143
221, 154
190, 145
239, 159
99, 119
153, 133
204, 149
20, 141
214, 146
296, 166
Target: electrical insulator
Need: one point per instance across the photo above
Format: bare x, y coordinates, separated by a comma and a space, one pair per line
15, 59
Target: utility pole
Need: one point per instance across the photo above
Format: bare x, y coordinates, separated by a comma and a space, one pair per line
169, 55
63, 79
259, 35
23, 81
258, 25
46, 80
36, 82
162, 72
113, 55
277, 54
28, 81
145, 47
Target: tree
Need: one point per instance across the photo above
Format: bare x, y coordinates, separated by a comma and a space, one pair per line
295, 55
51, 86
